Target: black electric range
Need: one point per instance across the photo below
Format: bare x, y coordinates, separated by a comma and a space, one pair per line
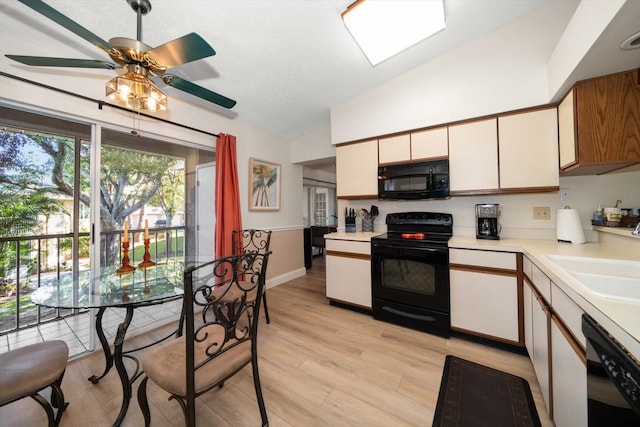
410, 271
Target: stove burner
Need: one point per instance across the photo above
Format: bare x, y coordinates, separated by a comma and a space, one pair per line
419, 236
430, 228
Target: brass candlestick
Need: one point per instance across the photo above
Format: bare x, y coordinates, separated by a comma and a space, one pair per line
146, 258
126, 268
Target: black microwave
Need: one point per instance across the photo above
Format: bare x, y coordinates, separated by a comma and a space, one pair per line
413, 181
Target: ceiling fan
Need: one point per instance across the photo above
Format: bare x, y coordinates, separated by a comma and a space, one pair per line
133, 88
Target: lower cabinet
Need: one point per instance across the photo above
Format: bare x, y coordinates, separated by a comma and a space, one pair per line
555, 344
540, 320
348, 272
498, 297
527, 298
484, 294
569, 378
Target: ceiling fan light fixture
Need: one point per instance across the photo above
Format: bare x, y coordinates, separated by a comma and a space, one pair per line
136, 91
383, 28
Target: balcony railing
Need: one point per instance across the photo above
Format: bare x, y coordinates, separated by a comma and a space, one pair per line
29, 262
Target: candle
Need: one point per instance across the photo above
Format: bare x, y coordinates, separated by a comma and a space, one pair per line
146, 229
126, 231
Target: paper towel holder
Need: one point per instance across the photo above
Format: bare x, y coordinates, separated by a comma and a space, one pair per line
569, 227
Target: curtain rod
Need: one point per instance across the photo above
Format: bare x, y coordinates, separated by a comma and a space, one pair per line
102, 103
318, 180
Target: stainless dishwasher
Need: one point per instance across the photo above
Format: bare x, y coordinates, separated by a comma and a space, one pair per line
613, 379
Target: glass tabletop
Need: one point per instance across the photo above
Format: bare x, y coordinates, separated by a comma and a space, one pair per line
145, 286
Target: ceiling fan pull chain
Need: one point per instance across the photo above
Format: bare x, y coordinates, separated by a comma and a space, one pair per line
136, 123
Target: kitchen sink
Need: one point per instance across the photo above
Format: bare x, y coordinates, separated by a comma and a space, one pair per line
612, 287
603, 277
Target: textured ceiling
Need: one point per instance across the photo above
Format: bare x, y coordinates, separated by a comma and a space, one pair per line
286, 62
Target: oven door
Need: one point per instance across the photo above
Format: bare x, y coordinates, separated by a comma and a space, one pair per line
410, 274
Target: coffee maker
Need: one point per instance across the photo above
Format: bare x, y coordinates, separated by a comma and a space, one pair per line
487, 226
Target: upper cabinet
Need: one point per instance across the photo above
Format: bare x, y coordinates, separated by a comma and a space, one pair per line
528, 147
473, 157
357, 170
430, 144
394, 149
599, 125
414, 146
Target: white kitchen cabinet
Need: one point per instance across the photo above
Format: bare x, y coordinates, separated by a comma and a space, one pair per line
489, 280
430, 144
570, 313
537, 321
528, 149
357, 170
394, 149
527, 299
473, 157
569, 378
540, 323
348, 272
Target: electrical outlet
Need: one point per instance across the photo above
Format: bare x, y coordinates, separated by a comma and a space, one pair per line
565, 194
541, 213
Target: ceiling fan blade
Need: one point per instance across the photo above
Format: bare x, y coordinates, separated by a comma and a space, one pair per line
44, 61
69, 24
199, 91
181, 50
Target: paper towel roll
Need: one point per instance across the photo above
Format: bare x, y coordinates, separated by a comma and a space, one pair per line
569, 227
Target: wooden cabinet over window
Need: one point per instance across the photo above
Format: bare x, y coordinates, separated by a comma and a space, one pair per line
599, 123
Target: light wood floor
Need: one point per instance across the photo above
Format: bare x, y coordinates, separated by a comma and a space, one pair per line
319, 366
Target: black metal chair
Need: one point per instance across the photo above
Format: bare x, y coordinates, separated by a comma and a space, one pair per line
214, 348
256, 241
26, 371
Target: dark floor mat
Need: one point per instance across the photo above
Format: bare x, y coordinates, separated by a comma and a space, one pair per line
476, 395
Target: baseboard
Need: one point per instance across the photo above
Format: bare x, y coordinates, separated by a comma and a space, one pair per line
283, 278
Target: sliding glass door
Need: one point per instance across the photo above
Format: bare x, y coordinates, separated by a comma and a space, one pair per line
51, 170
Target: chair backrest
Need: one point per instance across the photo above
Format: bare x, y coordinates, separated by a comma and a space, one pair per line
250, 240
231, 289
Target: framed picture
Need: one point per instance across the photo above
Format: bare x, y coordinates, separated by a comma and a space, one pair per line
264, 185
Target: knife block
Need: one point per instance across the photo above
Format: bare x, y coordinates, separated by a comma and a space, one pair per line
350, 224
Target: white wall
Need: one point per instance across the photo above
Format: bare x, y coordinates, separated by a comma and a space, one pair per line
314, 145
587, 24
499, 72
251, 142
517, 210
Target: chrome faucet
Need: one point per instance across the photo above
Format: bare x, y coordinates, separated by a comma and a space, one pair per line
636, 231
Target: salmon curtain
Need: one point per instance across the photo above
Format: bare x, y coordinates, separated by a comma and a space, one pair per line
228, 214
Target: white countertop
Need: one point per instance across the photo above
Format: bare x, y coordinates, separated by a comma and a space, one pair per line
621, 319
358, 236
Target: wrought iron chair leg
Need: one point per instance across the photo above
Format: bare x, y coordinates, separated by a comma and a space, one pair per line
266, 310
47, 407
57, 399
256, 383
143, 402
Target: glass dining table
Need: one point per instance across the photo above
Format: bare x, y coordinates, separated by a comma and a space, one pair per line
141, 288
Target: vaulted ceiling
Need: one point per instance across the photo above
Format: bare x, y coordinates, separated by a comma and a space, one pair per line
286, 62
